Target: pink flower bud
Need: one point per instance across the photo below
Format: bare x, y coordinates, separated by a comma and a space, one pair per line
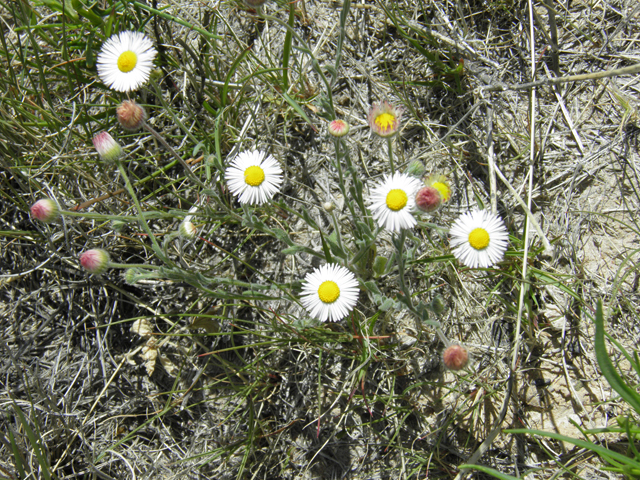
428, 199
95, 260
455, 357
131, 115
339, 128
45, 210
187, 230
108, 149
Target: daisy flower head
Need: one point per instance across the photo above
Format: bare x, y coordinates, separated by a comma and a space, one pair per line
254, 177
384, 118
440, 183
330, 292
479, 238
393, 200
125, 61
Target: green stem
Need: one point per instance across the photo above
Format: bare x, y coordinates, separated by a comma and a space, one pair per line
343, 188
357, 185
406, 294
338, 234
141, 219
393, 167
134, 265
101, 216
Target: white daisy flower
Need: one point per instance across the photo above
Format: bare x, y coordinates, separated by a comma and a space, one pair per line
254, 177
479, 238
125, 61
393, 201
330, 292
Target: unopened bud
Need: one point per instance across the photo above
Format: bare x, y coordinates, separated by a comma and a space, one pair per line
108, 149
45, 210
339, 128
187, 230
118, 225
329, 206
415, 169
131, 276
437, 305
95, 260
455, 357
131, 115
428, 199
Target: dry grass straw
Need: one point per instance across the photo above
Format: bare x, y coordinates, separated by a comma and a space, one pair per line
232, 384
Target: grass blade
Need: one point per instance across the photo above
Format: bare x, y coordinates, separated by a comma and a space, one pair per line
602, 452
490, 471
608, 369
35, 443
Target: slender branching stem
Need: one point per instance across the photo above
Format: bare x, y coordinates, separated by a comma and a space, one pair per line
141, 219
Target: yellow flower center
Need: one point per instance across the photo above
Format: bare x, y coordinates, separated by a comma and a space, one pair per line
443, 188
254, 176
385, 121
479, 239
329, 291
127, 61
396, 199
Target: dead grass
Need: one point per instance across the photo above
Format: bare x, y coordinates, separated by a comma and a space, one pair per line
253, 389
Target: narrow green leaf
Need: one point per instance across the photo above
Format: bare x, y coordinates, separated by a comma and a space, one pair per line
372, 287
287, 49
17, 455
35, 443
597, 449
173, 18
490, 471
297, 108
628, 394
232, 71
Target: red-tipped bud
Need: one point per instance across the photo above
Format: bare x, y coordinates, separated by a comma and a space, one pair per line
45, 210
339, 128
108, 149
428, 199
187, 230
95, 260
131, 115
455, 357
